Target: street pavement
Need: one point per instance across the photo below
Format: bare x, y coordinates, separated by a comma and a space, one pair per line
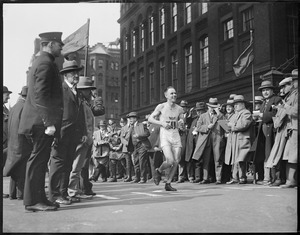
122, 207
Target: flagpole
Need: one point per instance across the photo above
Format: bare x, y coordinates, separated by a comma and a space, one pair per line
87, 48
252, 68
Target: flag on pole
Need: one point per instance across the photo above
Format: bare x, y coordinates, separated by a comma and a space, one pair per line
244, 60
76, 40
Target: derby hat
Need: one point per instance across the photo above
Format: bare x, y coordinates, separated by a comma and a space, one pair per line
183, 103
266, 84
239, 98
24, 91
213, 103
5, 90
69, 66
200, 106
132, 114
257, 99
51, 36
285, 81
102, 123
85, 83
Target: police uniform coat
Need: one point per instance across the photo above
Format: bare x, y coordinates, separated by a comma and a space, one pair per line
44, 102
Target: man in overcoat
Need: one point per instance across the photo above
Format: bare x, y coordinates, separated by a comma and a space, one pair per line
265, 135
18, 151
211, 141
139, 145
239, 142
41, 119
194, 168
71, 134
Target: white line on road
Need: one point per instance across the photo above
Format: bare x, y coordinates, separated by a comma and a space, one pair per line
147, 194
106, 197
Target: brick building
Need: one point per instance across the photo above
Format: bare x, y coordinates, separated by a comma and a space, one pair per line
192, 46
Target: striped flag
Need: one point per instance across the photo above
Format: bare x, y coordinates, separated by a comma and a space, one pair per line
244, 60
76, 40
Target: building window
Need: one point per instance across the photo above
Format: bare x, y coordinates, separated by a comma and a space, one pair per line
116, 66
93, 63
204, 59
133, 43
142, 37
174, 70
99, 92
188, 13
204, 8
228, 60
126, 93
151, 30
133, 91
162, 77
112, 66
162, 23
100, 64
125, 47
174, 17
188, 68
152, 83
228, 29
142, 87
100, 78
247, 19
292, 24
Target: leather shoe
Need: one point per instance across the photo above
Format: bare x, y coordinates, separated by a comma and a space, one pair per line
128, 180
181, 180
168, 187
142, 182
92, 179
243, 181
196, 181
73, 199
5, 195
90, 193
49, 203
104, 180
40, 207
113, 180
218, 182
135, 181
276, 183
157, 176
63, 200
204, 182
232, 182
288, 186
83, 196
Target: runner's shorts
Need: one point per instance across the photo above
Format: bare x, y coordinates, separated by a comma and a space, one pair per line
170, 138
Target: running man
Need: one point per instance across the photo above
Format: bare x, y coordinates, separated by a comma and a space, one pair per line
170, 118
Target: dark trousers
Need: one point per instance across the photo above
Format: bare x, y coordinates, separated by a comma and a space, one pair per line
85, 184
61, 165
101, 166
114, 164
17, 180
139, 159
129, 165
155, 160
198, 169
34, 188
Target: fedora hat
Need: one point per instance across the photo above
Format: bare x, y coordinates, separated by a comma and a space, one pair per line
213, 103
24, 91
285, 81
257, 99
102, 123
200, 106
239, 98
232, 96
230, 102
266, 84
5, 90
132, 114
69, 66
85, 83
183, 103
51, 36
